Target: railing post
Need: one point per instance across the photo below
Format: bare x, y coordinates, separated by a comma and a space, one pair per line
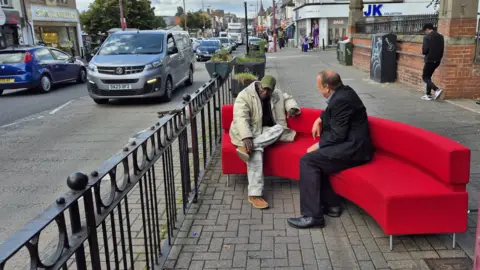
194, 135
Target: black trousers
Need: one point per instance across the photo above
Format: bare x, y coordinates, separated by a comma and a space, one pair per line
315, 188
428, 70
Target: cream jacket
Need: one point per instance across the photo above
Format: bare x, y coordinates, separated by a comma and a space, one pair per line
247, 114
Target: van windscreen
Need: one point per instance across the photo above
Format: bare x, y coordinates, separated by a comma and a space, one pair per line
133, 43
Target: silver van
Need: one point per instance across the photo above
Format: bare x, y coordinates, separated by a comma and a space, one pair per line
141, 64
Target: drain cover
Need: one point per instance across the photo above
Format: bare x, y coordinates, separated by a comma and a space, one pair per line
450, 264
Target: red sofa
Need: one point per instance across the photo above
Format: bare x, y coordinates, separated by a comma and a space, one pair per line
416, 183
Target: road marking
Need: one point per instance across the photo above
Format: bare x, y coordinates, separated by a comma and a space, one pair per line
61, 107
22, 121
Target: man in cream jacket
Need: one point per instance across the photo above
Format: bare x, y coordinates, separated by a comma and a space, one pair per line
259, 120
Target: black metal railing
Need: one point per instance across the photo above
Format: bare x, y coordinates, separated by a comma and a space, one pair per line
126, 214
409, 25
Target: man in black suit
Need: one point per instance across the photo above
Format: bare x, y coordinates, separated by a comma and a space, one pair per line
344, 143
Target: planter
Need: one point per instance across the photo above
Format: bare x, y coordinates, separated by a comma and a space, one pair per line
238, 86
257, 68
222, 69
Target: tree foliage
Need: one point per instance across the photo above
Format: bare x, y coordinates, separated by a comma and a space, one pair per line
103, 15
195, 20
179, 11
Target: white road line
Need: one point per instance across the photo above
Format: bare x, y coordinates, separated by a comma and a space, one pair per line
22, 121
61, 107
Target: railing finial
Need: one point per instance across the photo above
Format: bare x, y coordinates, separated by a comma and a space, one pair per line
77, 181
186, 97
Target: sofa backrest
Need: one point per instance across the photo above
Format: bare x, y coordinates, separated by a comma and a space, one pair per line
448, 160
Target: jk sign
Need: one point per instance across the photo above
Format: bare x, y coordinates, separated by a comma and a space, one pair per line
373, 10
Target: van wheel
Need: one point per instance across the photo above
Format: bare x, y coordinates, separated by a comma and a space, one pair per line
1, 92
45, 85
167, 96
100, 100
189, 81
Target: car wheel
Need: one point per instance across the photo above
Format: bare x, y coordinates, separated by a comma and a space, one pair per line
82, 76
100, 100
45, 84
189, 81
167, 96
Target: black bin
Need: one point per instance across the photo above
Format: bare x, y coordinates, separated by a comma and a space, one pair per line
383, 59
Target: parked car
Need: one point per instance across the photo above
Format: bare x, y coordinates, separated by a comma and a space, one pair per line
233, 44
38, 67
226, 44
141, 64
253, 43
195, 43
207, 48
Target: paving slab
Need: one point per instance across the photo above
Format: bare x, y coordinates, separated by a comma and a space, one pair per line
230, 234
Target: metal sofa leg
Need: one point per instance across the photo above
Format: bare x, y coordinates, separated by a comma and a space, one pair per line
391, 242
454, 236
228, 180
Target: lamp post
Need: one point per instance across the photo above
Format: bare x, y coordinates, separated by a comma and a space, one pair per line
184, 16
246, 25
123, 23
274, 28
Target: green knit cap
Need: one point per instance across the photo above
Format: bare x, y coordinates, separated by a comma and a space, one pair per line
268, 82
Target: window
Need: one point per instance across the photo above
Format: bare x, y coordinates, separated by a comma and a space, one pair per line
44, 55
137, 43
170, 43
60, 55
180, 42
64, 2
5, 3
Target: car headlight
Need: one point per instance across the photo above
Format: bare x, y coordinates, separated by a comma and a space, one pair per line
153, 65
91, 67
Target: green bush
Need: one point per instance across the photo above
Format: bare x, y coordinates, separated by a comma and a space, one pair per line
245, 77
261, 46
249, 59
222, 56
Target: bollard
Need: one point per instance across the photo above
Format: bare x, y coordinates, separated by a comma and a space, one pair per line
476, 262
323, 44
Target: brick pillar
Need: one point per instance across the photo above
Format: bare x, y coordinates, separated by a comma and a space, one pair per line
354, 15
458, 75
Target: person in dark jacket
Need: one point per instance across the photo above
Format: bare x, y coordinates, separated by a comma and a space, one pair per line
344, 143
433, 46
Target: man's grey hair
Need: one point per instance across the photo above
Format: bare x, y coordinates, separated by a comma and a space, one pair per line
330, 79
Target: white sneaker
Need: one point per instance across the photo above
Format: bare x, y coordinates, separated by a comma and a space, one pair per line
438, 93
426, 97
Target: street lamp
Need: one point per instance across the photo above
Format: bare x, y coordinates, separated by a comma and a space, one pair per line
246, 25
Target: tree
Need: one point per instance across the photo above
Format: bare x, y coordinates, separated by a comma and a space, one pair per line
195, 20
103, 15
179, 11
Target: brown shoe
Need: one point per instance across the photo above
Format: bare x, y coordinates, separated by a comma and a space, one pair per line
258, 202
243, 153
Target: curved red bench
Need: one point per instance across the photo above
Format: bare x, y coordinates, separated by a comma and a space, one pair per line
415, 184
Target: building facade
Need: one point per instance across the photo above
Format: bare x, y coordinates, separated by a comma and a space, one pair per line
11, 23
332, 15
56, 23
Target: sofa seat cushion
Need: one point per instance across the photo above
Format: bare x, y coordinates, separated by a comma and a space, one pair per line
401, 197
280, 159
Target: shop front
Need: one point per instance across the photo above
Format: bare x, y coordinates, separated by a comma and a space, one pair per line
337, 30
57, 27
10, 30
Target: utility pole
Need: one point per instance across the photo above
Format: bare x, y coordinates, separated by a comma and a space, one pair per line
185, 16
246, 24
274, 28
203, 15
123, 23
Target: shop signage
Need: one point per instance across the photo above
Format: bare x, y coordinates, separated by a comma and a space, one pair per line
338, 22
42, 13
12, 17
3, 18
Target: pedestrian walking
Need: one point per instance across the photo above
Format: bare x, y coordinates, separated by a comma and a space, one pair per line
432, 49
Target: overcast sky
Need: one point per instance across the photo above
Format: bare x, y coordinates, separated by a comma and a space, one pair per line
169, 7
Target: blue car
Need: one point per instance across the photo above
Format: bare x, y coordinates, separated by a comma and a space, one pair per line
38, 68
207, 48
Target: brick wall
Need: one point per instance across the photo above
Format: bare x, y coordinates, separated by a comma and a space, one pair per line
457, 75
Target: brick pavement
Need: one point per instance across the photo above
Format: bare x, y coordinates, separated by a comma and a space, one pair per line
222, 231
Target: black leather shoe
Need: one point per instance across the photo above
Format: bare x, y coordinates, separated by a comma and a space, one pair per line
332, 211
306, 222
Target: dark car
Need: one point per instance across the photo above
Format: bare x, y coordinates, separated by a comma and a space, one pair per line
207, 48
253, 43
38, 68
